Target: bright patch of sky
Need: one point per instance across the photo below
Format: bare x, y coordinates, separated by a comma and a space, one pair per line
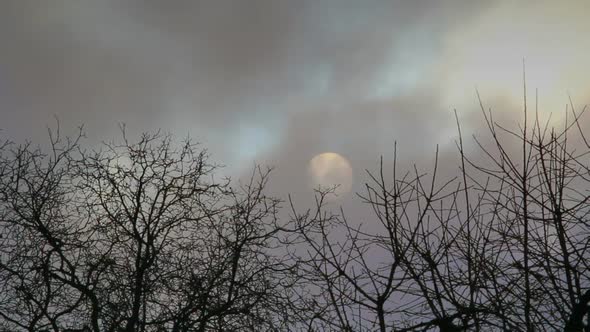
253, 140
489, 56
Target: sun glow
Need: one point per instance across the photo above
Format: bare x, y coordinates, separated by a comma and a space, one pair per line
489, 56
331, 169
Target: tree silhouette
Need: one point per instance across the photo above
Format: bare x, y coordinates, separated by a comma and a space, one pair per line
143, 236
502, 246
136, 236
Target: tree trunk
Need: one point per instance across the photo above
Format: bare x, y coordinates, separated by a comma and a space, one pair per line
576, 320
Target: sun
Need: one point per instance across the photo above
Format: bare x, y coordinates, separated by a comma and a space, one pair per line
330, 169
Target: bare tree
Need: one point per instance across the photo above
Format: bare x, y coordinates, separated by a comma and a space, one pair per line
35, 201
412, 273
541, 231
502, 246
136, 237
142, 236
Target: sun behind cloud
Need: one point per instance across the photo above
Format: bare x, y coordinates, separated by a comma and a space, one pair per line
331, 169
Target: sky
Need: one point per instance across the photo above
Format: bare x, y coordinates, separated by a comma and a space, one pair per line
278, 82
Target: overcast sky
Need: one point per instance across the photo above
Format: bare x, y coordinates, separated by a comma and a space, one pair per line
280, 81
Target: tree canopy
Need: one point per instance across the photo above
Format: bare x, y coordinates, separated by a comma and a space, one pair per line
144, 236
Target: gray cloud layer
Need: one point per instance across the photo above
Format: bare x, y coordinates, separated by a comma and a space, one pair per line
269, 81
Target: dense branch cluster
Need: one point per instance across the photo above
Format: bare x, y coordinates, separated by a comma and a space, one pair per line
134, 237
504, 246
142, 236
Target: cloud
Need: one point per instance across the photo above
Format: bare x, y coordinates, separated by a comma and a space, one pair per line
278, 81
489, 54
